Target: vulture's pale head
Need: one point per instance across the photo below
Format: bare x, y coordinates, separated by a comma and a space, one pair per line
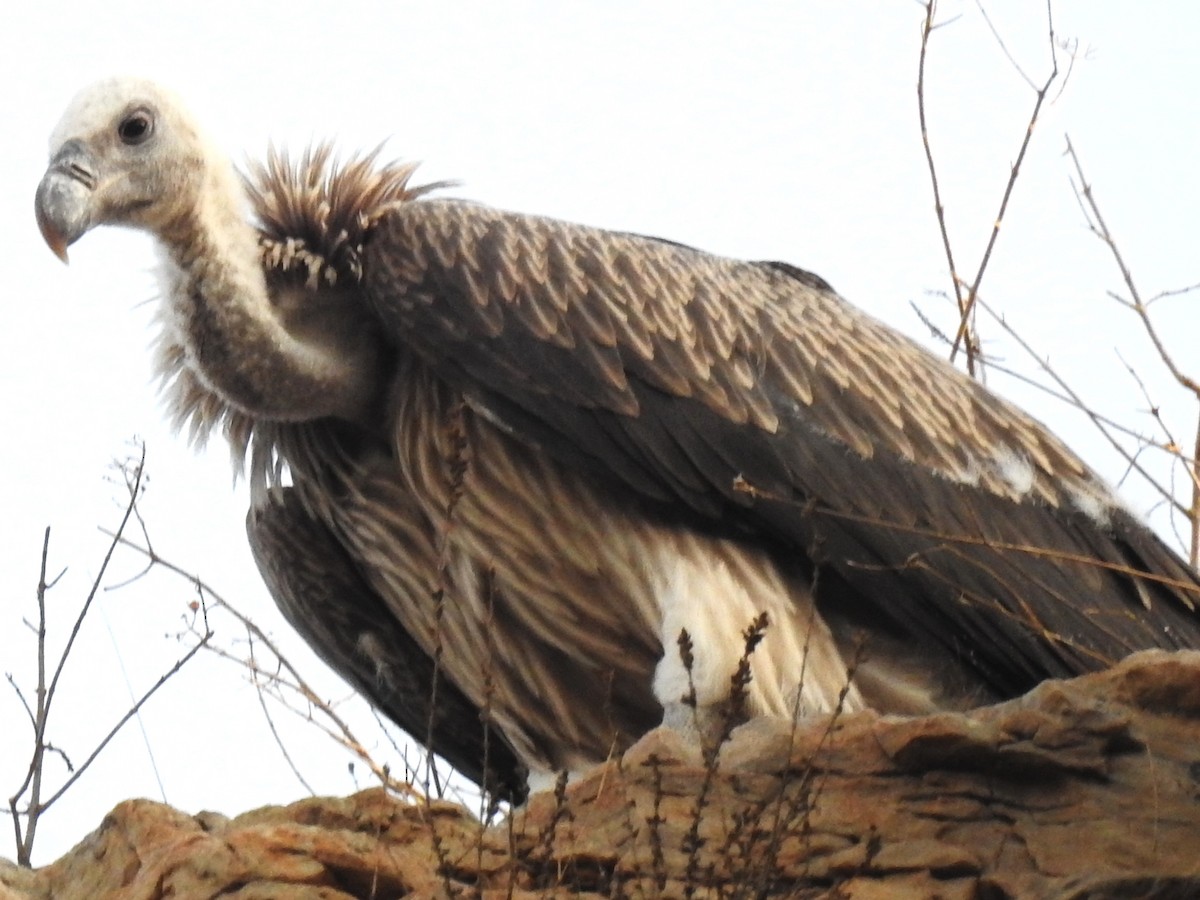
123, 153
235, 345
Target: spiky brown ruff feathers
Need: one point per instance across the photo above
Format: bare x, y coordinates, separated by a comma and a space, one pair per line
313, 215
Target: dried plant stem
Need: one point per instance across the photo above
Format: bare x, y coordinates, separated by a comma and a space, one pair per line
1105, 426
338, 729
31, 789
966, 303
938, 206
1099, 227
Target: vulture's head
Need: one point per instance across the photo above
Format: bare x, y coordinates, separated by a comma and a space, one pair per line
124, 153
260, 319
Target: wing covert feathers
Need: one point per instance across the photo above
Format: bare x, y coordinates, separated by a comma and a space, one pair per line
574, 313
755, 397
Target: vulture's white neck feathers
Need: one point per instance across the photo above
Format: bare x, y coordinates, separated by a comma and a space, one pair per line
261, 326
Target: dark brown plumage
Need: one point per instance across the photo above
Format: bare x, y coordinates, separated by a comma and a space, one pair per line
323, 595
538, 450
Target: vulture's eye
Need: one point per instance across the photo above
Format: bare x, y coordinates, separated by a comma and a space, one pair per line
136, 127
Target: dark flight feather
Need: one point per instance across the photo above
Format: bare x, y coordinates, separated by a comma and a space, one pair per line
320, 590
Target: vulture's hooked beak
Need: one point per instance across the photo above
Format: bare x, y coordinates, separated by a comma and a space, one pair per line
64, 198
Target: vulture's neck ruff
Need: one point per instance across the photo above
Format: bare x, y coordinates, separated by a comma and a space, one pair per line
284, 291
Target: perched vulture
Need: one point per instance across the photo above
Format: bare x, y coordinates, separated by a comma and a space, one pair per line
499, 462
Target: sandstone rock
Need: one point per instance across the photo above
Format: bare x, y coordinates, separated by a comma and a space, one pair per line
1083, 789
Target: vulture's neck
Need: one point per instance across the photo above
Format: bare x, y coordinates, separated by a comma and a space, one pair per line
275, 358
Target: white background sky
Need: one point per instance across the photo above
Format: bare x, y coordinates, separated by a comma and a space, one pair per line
765, 130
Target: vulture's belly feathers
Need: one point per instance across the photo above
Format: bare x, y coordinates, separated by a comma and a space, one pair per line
538, 586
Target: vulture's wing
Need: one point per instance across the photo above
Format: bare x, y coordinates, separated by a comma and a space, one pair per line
323, 595
750, 393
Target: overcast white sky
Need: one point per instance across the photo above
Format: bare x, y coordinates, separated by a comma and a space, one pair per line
765, 130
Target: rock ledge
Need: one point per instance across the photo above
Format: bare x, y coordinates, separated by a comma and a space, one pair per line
1082, 788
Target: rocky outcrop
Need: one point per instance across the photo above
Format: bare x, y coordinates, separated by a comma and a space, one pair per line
1083, 788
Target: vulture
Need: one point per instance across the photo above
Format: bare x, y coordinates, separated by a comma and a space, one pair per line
535, 488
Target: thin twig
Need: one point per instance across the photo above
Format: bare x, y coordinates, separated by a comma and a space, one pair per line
1099, 227
252, 665
964, 319
33, 777
1004, 47
46, 693
87, 603
966, 303
1194, 545
32, 785
24, 702
340, 730
1152, 408
1078, 402
939, 208
129, 714
1172, 292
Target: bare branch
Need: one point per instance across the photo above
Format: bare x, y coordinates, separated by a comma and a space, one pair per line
939, 208
1075, 400
24, 702
1004, 47
91, 596
39, 712
1194, 516
252, 665
129, 714
964, 320
61, 754
339, 730
33, 776
1172, 292
1098, 226
1152, 408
